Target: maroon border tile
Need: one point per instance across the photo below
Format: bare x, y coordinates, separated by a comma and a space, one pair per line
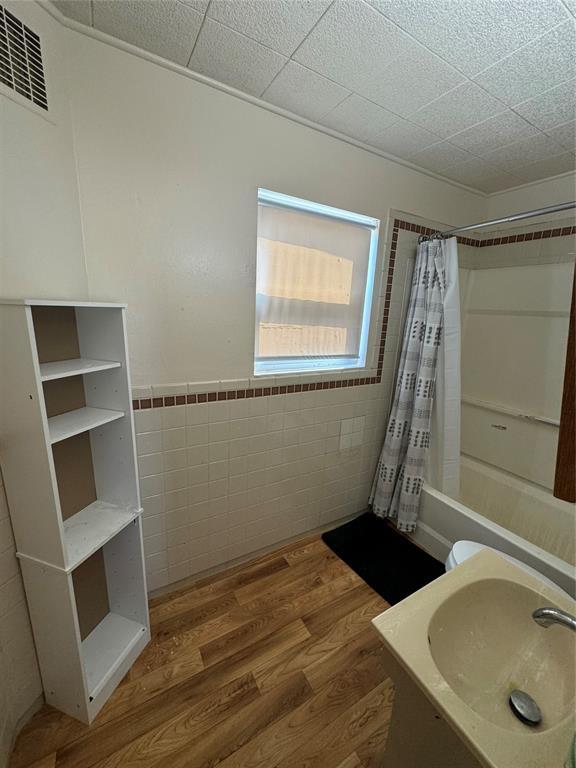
314, 386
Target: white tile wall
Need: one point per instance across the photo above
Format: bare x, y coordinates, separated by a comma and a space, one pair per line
20, 686
225, 479
222, 480
518, 298
352, 432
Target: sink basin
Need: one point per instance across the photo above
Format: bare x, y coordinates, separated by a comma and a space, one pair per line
486, 644
465, 642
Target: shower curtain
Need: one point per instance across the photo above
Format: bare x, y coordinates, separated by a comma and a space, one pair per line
429, 364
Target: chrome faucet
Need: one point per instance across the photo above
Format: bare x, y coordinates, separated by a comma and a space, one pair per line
548, 616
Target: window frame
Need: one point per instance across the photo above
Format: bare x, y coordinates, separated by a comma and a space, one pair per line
274, 366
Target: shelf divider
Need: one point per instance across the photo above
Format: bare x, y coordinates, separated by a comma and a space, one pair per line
80, 420
75, 367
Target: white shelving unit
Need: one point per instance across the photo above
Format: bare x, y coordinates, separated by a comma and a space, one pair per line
69, 463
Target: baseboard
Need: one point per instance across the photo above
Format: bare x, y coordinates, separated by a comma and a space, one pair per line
250, 557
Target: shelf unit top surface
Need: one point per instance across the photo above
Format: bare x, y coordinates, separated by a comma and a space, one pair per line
63, 303
81, 420
75, 367
106, 647
88, 530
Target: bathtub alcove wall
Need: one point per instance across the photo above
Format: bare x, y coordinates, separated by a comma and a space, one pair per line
515, 288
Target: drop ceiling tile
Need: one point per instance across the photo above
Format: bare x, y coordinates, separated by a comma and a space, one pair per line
353, 44
493, 133
167, 28
540, 65
479, 174
473, 34
550, 166
565, 135
552, 107
513, 156
279, 24
79, 10
411, 81
404, 139
571, 5
234, 59
198, 5
465, 105
304, 92
359, 118
440, 157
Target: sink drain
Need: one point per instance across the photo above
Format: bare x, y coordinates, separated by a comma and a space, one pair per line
525, 708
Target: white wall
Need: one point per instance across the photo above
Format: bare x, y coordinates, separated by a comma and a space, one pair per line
41, 254
515, 322
529, 197
40, 231
169, 170
20, 688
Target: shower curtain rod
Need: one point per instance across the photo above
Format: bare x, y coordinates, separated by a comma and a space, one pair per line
513, 217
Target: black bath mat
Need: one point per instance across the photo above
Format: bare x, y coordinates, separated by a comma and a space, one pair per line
387, 561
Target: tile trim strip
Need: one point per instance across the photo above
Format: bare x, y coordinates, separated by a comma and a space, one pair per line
505, 240
314, 386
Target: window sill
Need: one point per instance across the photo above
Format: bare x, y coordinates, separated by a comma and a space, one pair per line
306, 367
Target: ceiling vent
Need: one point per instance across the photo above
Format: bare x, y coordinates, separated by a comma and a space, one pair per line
21, 65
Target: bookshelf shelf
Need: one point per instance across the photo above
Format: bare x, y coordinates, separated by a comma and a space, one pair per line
61, 369
88, 530
80, 420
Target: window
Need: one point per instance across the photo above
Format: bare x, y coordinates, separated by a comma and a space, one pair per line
314, 281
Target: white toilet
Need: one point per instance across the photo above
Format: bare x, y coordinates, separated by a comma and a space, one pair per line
462, 550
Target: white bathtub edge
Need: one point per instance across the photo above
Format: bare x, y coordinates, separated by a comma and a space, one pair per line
433, 542
444, 521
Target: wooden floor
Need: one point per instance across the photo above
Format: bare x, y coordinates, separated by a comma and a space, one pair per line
274, 663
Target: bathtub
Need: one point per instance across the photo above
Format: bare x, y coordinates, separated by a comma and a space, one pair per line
496, 496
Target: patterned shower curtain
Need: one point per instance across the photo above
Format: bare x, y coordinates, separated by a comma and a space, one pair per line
402, 465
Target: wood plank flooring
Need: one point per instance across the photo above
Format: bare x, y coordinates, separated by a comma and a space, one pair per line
273, 664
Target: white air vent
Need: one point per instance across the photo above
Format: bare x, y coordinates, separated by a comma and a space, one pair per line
21, 65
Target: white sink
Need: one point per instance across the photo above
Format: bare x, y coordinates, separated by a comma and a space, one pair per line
486, 644
468, 640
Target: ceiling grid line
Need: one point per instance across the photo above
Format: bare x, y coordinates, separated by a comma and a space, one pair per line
198, 35
294, 51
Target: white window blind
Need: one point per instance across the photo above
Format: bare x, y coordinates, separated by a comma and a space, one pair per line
315, 274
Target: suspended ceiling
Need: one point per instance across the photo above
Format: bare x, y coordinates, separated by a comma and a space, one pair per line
482, 92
